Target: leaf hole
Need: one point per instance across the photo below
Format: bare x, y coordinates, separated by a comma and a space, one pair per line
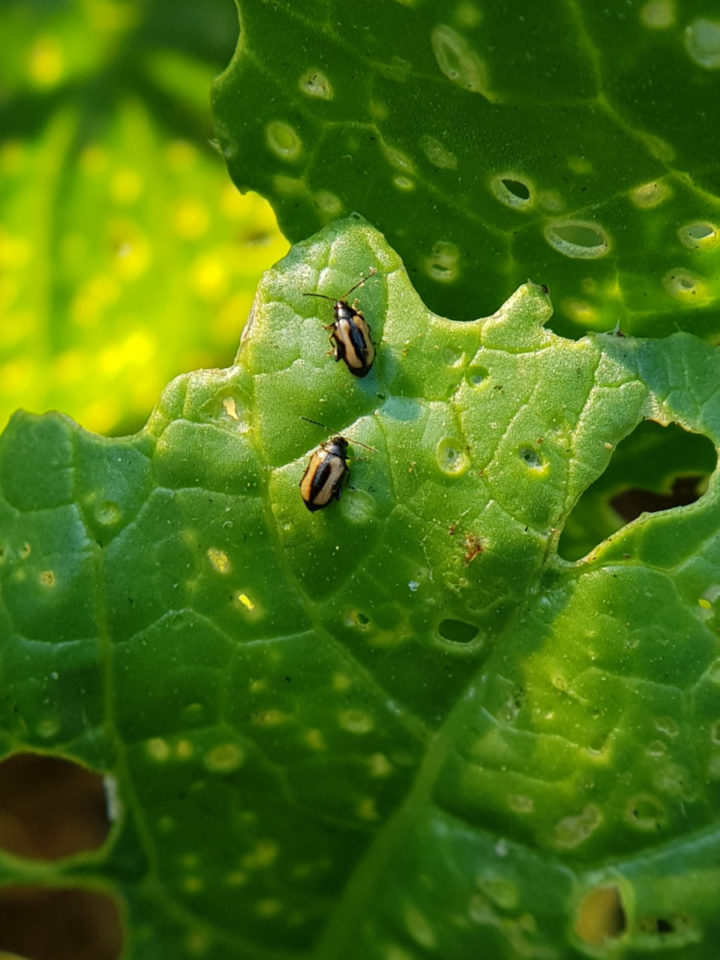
698, 231
441, 272
443, 263
531, 458
50, 807
59, 924
702, 42
655, 468
517, 188
511, 191
476, 375
600, 916
676, 929
680, 283
457, 631
577, 239
451, 457
452, 357
645, 813
357, 618
655, 925
315, 84
699, 235
684, 491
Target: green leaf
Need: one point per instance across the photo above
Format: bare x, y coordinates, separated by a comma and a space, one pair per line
125, 256
401, 726
491, 147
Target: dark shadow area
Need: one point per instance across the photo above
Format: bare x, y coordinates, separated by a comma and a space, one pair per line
50, 807
457, 631
48, 924
517, 188
655, 468
631, 503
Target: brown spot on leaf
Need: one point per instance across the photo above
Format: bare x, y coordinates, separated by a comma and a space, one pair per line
473, 547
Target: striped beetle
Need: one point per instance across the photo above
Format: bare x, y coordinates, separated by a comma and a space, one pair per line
350, 332
326, 471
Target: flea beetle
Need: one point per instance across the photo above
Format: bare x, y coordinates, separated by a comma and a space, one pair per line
325, 472
323, 477
350, 332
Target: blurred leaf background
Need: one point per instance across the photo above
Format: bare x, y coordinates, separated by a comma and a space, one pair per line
126, 254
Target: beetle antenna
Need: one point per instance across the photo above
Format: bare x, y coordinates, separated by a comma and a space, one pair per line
361, 444
349, 439
323, 296
371, 272
317, 422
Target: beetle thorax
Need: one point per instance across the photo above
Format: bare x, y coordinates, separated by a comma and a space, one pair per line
343, 311
336, 447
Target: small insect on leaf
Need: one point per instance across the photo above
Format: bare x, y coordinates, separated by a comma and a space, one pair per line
350, 333
324, 474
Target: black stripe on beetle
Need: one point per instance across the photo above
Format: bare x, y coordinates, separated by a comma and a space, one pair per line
323, 477
350, 334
